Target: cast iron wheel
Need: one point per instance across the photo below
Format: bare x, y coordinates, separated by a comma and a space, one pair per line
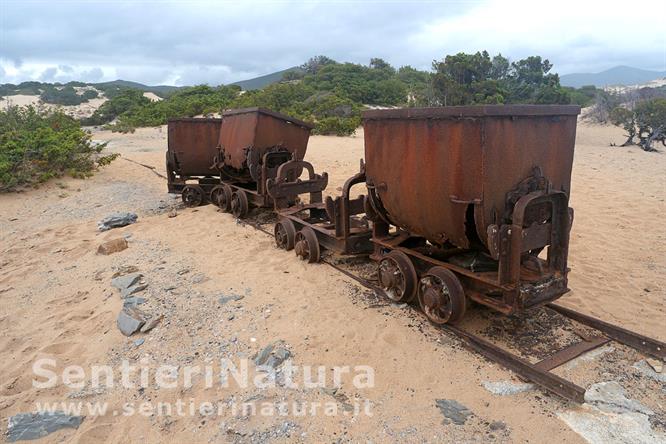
215, 194
192, 195
306, 245
441, 296
397, 276
239, 204
224, 198
285, 234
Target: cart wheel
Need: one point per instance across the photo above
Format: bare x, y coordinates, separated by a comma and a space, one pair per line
306, 245
397, 276
441, 296
214, 195
224, 198
285, 233
192, 195
239, 204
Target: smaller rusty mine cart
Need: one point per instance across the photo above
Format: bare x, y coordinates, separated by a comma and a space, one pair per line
333, 224
471, 202
253, 143
191, 149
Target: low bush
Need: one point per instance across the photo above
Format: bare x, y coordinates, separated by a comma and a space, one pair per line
38, 145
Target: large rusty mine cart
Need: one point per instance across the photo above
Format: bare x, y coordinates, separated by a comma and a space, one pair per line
253, 143
465, 200
191, 148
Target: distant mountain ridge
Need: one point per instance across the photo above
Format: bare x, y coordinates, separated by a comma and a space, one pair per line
265, 80
619, 75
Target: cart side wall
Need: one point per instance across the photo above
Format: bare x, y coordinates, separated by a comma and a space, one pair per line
193, 143
428, 171
261, 131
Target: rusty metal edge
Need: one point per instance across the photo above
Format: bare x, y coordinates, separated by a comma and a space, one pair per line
195, 119
472, 111
571, 352
233, 112
649, 346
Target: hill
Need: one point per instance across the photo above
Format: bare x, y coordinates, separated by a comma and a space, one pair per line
619, 75
160, 90
262, 81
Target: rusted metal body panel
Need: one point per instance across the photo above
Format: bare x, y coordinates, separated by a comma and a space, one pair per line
477, 185
248, 134
191, 150
428, 165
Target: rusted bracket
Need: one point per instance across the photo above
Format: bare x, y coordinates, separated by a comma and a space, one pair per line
287, 184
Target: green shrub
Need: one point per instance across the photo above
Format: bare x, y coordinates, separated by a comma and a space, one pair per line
36, 146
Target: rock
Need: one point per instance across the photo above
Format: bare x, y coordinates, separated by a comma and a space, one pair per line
231, 317
234, 297
505, 388
656, 365
27, 426
134, 289
199, 278
112, 246
151, 324
497, 425
125, 269
601, 428
173, 213
139, 342
130, 320
453, 410
126, 281
133, 301
272, 356
610, 397
116, 220
647, 370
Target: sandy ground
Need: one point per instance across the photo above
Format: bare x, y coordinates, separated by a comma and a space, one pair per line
57, 302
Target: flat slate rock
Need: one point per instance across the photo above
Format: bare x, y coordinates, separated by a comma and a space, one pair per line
453, 410
126, 281
130, 320
116, 220
28, 426
134, 289
234, 297
610, 397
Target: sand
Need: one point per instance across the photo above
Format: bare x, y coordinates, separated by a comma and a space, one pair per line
57, 302
83, 110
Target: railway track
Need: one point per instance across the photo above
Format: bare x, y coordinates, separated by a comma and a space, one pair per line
539, 373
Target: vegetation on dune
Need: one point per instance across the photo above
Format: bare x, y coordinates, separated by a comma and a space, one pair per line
645, 122
66, 95
37, 145
332, 94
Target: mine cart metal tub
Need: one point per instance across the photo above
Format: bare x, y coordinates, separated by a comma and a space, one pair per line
473, 185
253, 143
191, 149
248, 134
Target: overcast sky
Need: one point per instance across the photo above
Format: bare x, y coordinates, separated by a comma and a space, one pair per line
191, 42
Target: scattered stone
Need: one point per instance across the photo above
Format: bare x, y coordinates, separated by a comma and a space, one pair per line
610, 397
601, 428
234, 297
173, 213
130, 320
134, 289
231, 317
151, 324
112, 246
453, 410
139, 342
506, 388
497, 425
272, 356
125, 269
647, 370
116, 220
126, 281
656, 365
133, 301
183, 271
27, 426
199, 278
86, 393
